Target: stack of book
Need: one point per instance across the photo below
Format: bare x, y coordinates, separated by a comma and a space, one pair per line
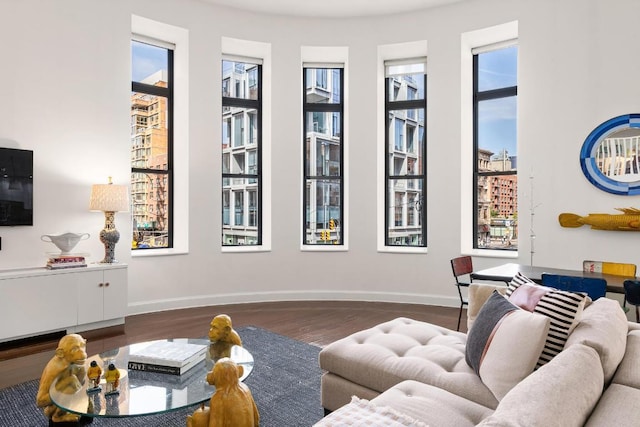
66, 261
167, 357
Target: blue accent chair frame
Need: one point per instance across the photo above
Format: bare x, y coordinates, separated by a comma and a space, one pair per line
593, 287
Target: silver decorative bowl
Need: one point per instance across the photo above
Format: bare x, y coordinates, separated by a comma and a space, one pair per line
65, 242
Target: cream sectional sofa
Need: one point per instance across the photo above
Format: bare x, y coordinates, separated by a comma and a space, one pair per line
407, 372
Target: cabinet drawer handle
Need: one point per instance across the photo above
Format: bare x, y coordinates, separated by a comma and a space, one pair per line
106, 284
100, 285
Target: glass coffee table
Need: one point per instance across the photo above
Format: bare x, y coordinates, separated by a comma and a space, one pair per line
142, 392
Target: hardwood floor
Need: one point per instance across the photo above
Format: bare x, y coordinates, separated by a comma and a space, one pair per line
314, 322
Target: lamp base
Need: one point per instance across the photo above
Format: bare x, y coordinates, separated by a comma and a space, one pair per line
109, 236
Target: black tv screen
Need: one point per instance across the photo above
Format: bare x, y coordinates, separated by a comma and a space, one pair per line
16, 187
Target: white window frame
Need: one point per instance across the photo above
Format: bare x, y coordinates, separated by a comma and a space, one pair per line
243, 50
324, 57
391, 52
470, 43
179, 38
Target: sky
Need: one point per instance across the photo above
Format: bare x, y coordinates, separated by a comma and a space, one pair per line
497, 118
146, 60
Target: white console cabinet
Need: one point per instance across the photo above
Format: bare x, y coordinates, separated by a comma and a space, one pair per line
38, 301
102, 296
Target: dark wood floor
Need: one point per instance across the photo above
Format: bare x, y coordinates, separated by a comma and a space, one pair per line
314, 322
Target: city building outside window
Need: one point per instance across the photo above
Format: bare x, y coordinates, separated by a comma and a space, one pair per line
405, 153
495, 90
323, 143
151, 144
241, 152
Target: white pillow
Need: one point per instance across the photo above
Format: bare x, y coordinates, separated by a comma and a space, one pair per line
504, 344
562, 393
603, 327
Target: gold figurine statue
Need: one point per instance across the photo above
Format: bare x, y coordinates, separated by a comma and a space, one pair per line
199, 418
232, 403
112, 377
67, 364
93, 373
222, 330
222, 337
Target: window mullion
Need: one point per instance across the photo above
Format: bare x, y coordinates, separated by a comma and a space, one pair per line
150, 89
241, 103
496, 93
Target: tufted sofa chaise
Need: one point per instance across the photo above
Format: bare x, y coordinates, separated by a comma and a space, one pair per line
407, 372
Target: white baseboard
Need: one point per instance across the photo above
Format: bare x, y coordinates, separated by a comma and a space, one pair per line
243, 298
96, 325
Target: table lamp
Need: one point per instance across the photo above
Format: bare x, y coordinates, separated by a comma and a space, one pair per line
109, 199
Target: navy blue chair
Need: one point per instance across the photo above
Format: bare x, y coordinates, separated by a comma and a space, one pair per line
593, 287
632, 294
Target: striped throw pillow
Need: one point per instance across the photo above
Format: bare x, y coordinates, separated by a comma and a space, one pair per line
563, 308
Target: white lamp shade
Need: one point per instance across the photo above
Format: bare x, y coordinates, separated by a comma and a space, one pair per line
109, 198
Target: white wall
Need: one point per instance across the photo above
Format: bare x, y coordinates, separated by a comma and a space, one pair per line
64, 92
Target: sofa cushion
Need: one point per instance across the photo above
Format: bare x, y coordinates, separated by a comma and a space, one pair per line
563, 308
432, 405
628, 372
561, 393
633, 326
616, 408
361, 412
603, 326
401, 349
478, 294
504, 344
336, 391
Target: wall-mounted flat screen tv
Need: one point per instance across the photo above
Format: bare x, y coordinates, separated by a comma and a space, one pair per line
16, 187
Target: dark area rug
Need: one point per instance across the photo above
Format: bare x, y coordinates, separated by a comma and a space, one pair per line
285, 384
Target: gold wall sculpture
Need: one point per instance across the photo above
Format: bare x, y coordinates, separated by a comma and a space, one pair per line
628, 220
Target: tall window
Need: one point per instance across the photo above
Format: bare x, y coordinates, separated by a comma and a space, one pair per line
323, 112
151, 144
405, 153
495, 90
241, 152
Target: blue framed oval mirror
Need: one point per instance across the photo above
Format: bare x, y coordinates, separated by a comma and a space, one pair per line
610, 156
